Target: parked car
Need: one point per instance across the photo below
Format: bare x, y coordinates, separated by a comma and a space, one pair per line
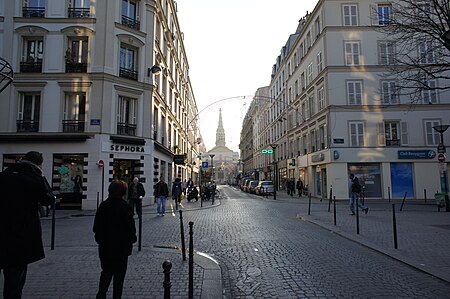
244, 183
247, 185
264, 188
252, 187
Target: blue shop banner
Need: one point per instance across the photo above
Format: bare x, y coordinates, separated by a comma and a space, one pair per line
402, 180
417, 154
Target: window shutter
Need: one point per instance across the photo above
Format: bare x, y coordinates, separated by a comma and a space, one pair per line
374, 14
381, 134
404, 128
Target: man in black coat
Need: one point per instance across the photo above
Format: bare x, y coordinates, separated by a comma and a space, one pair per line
23, 188
115, 233
136, 192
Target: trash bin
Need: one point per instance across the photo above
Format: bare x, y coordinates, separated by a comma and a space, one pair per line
440, 199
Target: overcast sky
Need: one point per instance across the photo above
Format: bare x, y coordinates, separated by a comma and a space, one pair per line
231, 46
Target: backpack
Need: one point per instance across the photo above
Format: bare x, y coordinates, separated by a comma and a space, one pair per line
356, 185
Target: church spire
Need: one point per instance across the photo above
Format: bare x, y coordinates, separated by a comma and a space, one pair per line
220, 133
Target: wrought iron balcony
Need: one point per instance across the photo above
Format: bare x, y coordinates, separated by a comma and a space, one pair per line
392, 142
33, 12
126, 129
27, 126
78, 13
73, 126
75, 67
132, 23
129, 74
31, 67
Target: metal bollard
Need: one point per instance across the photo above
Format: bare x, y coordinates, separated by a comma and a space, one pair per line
357, 216
309, 204
98, 199
140, 233
363, 194
403, 201
52, 245
167, 265
389, 193
334, 209
191, 261
394, 226
329, 200
183, 245
425, 194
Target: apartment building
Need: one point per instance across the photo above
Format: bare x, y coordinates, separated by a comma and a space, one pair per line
335, 108
102, 89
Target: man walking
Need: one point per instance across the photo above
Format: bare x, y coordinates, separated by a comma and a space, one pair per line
177, 189
299, 187
161, 191
136, 192
23, 189
355, 192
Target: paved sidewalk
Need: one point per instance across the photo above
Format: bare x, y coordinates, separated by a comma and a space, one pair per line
423, 233
72, 271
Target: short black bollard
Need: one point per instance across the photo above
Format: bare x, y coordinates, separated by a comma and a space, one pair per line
329, 200
167, 265
363, 194
334, 209
309, 204
357, 216
403, 201
394, 226
191, 261
140, 233
176, 203
389, 193
425, 194
98, 198
52, 246
183, 245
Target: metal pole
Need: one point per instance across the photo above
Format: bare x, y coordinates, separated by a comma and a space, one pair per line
167, 265
183, 245
103, 183
329, 200
200, 189
53, 225
394, 226
447, 200
98, 199
140, 233
425, 194
334, 210
191, 261
389, 193
403, 201
309, 204
357, 216
363, 194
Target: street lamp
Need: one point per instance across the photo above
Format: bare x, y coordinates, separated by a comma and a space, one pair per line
441, 150
212, 166
275, 170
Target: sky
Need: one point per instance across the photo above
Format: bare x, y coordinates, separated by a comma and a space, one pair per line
231, 46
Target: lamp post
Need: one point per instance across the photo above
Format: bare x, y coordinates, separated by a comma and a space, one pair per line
443, 165
275, 170
212, 166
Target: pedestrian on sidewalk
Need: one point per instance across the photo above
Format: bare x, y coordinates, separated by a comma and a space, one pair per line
23, 190
177, 189
161, 192
355, 194
136, 192
299, 187
115, 233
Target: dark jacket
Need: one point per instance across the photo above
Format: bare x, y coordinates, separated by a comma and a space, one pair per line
299, 184
161, 189
140, 190
23, 187
114, 229
356, 186
177, 188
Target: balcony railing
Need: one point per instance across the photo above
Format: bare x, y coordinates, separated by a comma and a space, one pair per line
132, 23
33, 12
129, 74
73, 126
392, 142
75, 67
126, 129
78, 13
31, 67
27, 126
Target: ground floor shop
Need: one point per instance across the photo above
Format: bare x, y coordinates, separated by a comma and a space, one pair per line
80, 169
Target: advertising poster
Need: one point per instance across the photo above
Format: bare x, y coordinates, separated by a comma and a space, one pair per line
402, 180
369, 175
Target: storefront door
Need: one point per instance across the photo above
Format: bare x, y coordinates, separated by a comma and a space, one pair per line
124, 169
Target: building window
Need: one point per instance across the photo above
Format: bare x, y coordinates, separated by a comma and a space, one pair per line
128, 62
33, 52
74, 112
310, 73
426, 51
76, 55
322, 138
354, 92
356, 134
319, 62
352, 53
312, 105
303, 81
126, 116
384, 14
155, 123
429, 94
389, 92
391, 133
350, 15
431, 134
130, 14
321, 97
79, 9
33, 9
318, 26
28, 112
386, 52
